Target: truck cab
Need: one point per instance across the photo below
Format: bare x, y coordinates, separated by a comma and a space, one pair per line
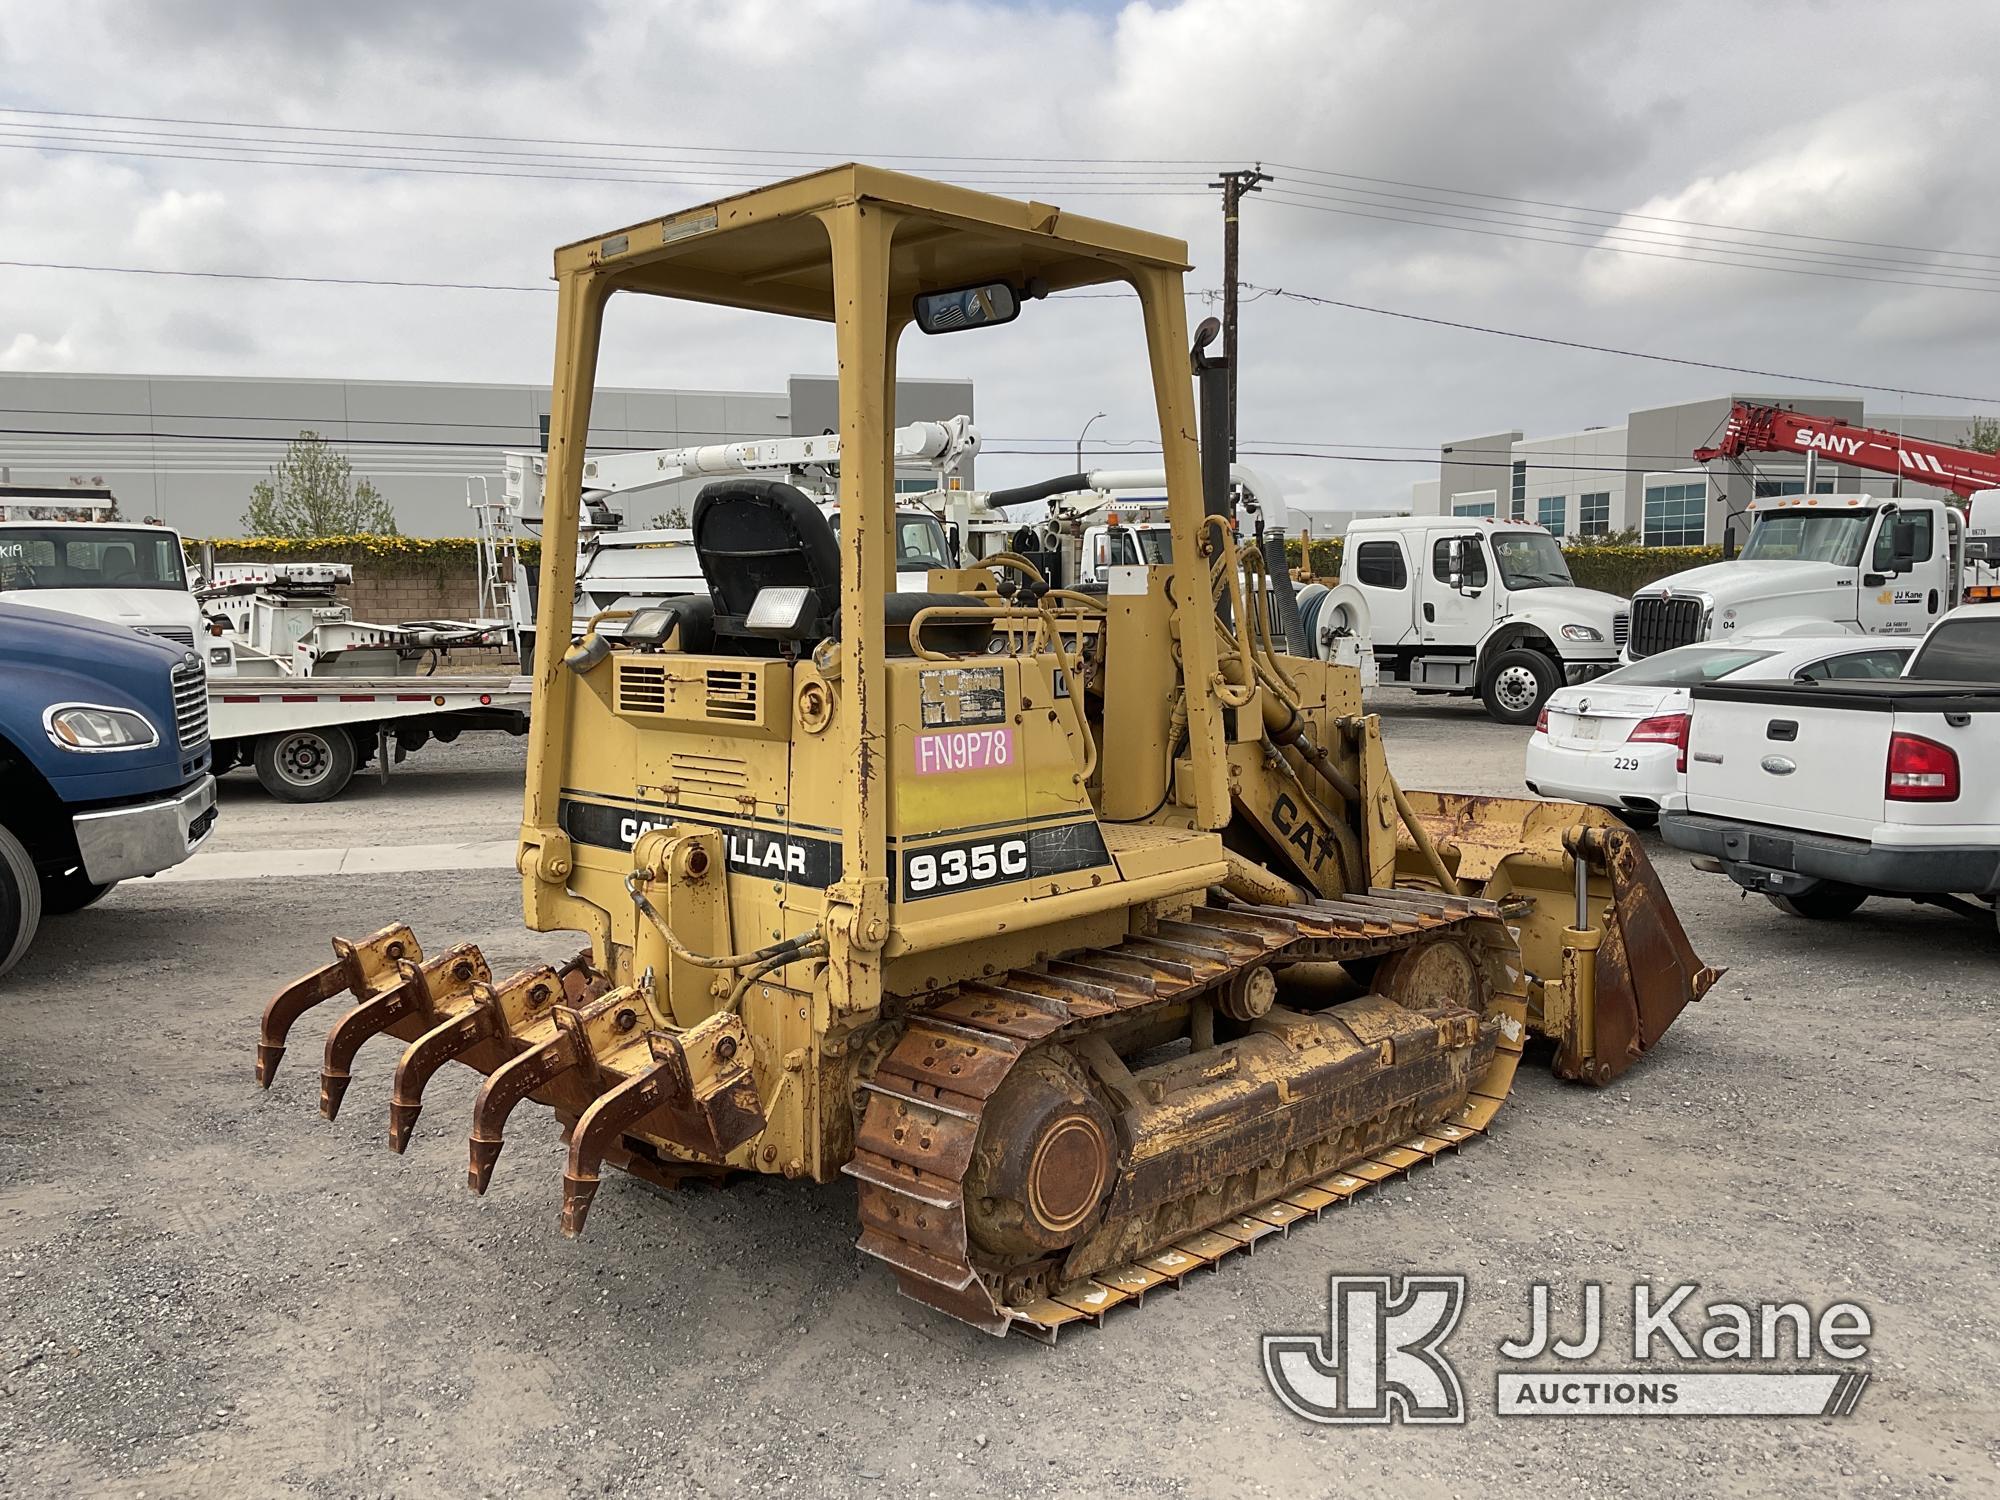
104, 764
128, 575
1814, 563
1461, 604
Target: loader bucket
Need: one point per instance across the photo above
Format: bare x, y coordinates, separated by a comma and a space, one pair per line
1609, 965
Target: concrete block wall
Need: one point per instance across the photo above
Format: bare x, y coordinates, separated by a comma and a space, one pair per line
390, 598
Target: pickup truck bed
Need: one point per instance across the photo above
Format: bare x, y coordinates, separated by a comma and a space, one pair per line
1887, 787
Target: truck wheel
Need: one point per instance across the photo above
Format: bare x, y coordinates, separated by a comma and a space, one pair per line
1822, 901
63, 894
306, 765
20, 900
1517, 683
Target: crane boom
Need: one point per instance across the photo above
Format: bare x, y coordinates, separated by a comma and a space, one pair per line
1773, 429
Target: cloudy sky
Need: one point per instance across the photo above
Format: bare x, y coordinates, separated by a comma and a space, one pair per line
1798, 187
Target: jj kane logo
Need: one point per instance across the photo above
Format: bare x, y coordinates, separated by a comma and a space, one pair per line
1382, 1358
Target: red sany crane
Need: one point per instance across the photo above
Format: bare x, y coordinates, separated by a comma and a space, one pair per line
1772, 429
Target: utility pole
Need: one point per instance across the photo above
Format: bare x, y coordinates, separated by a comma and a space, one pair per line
1234, 185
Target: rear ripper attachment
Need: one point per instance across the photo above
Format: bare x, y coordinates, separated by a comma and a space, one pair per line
565, 1037
1015, 1170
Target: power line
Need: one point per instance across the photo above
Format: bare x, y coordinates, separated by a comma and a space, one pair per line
456, 286
1201, 164
1669, 359
1673, 239
1615, 213
1697, 260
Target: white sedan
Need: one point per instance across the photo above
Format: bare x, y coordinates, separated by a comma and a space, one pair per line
1620, 740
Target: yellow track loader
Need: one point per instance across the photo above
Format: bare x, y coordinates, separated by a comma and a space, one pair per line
1086, 931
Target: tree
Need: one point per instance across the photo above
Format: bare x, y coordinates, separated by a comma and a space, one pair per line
312, 491
1982, 435
677, 517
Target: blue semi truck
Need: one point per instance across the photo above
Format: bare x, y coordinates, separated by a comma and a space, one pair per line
104, 764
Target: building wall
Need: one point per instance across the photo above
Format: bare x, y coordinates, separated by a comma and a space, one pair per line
1655, 448
1470, 466
188, 449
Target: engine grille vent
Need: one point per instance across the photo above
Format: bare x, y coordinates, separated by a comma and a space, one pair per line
732, 695
191, 705
1662, 624
179, 635
1621, 627
641, 688
708, 773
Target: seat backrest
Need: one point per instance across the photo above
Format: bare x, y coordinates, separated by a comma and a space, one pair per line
115, 564
754, 534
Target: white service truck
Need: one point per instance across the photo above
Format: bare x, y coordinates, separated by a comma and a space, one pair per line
1464, 604
1822, 794
1815, 564
297, 688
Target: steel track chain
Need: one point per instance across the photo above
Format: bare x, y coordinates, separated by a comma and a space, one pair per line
925, 1102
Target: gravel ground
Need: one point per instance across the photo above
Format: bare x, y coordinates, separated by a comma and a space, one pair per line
207, 1291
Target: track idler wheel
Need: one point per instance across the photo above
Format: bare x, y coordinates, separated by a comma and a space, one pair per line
1441, 974
1044, 1161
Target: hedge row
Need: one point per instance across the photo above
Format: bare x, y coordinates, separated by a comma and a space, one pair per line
1615, 570
382, 556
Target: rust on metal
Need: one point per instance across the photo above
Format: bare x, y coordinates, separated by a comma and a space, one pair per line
423, 991
361, 969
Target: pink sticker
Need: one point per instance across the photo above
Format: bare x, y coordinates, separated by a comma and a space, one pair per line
964, 750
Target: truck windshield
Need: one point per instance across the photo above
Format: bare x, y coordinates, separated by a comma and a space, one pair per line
1960, 651
1684, 666
1530, 560
920, 540
1809, 536
1141, 544
89, 557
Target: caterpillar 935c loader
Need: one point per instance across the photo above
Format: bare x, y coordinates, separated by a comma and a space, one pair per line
1087, 932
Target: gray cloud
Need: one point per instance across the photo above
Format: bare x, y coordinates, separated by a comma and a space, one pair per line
1617, 106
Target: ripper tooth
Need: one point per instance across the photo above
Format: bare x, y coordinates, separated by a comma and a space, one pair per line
421, 996
505, 1087
493, 1016
362, 969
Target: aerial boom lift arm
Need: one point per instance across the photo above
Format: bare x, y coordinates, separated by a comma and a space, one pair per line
1772, 429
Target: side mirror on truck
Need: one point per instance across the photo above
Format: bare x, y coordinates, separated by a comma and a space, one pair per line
1903, 542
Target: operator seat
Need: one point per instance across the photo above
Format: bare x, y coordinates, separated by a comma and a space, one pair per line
754, 534
115, 565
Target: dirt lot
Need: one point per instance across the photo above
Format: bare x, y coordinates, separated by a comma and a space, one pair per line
206, 1291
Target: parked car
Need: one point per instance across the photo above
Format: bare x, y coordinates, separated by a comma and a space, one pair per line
1821, 794
104, 764
1621, 741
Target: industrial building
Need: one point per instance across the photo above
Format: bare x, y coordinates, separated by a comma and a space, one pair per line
1640, 475
188, 449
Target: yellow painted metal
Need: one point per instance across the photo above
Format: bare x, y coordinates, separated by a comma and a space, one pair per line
771, 812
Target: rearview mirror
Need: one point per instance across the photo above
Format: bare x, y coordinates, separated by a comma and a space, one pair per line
1903, 541
1454, 563
988, 303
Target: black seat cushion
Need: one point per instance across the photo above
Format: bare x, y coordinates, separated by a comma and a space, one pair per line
754, 534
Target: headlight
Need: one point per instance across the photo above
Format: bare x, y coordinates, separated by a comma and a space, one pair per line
1581, 633
79, 726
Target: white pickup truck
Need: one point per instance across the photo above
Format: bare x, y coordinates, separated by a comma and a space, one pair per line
1820, 795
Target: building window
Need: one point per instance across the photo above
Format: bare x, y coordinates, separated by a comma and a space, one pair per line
1380, 565
1519, 508
1549, 511
1766, 489
1593, 513
1520, 495
1472, 508
1675, 515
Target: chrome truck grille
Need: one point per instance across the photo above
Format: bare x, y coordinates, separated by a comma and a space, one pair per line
1621, 627
191, 705
1662, 624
